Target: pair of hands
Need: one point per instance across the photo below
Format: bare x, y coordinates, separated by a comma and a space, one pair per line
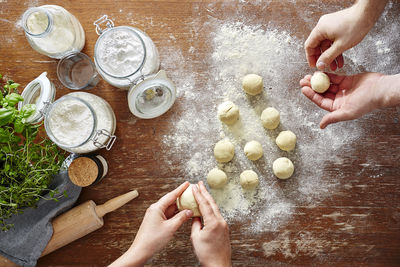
349, 97
210, 241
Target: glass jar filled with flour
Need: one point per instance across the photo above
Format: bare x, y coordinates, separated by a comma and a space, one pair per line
127, 58
53, 31
78, 122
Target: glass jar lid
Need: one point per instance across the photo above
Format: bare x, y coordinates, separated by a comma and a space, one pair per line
152, 97
40, 92
119, 52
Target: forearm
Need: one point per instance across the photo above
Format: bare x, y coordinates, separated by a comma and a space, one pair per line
389, 91
370, 10
132, 258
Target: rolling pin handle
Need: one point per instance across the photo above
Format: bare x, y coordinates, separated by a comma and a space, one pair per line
115, 203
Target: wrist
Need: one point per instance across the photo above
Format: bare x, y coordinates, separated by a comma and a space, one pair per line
369, 10
137, 255
131, 258
388, 87
216, 263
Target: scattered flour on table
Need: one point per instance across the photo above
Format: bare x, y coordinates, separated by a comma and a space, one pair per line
237, 49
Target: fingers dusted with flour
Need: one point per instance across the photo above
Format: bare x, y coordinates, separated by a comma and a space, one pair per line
350, 97
210, 241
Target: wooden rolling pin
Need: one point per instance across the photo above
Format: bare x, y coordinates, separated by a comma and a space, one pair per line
78, 222
82, 220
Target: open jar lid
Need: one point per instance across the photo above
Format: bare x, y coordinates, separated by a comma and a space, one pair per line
119, 52
152, 97
40, 92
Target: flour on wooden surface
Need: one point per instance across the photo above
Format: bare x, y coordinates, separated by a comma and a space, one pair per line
304, 243
237, 49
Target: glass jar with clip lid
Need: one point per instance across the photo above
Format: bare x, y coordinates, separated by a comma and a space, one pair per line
78, 122
127, 58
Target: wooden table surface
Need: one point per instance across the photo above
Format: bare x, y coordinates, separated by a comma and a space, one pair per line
137, 159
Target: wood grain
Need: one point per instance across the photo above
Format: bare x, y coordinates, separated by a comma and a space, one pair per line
358, 225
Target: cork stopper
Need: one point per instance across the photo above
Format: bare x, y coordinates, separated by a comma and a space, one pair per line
83, 171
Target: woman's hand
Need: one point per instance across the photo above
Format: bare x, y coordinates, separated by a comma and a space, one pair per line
348, 97
339, 31
210, 241
158, 227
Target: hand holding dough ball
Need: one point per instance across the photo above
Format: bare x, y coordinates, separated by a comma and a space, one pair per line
187, 202
283, 168
270, 118
286, 140
320, 82
253, 150
248, 179
228, 113
224, 151
252, 84
217, 178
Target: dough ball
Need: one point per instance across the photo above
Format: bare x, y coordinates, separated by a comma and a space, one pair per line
217, 178
228, 113
253, 150
224, 151
187, 202
253, 84
270, 118
320, 82
283, 168
248, 179
286, 140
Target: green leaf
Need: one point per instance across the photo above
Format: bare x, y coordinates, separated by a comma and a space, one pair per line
4, 135
18, 125
27, 111
14, 85
12, 99
6, 115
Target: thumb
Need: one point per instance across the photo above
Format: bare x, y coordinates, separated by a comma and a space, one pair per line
333, 117
329, 55
196, 227
179, 219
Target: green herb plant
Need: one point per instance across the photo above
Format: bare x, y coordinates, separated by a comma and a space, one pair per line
28, 161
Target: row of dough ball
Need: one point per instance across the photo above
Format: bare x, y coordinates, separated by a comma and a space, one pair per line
217, 179
253, 83
224, 151
283, 168
228, 113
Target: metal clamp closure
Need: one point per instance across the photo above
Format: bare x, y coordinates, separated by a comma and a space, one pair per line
45, 109
110, 142
103, 19
134, 82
